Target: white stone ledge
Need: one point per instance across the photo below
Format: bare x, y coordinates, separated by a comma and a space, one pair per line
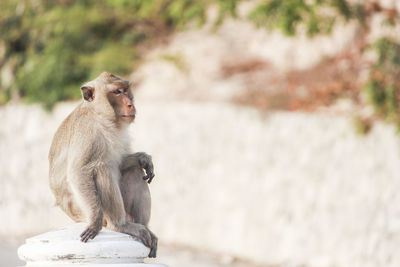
63, 247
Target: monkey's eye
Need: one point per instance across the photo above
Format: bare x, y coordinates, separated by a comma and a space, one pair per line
118, 91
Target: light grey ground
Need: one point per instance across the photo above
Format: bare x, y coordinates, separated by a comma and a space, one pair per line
8, 256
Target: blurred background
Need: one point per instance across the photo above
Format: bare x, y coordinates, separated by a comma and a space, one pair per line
273, 125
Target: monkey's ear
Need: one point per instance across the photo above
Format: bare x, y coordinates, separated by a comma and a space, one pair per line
87, 92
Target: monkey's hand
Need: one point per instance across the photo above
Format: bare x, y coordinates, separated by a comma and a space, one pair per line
90, 232
139, 160
146, 163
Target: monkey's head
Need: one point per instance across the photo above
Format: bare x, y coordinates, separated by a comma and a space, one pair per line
111, 97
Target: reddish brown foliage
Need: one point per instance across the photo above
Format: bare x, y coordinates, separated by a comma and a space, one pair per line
307, 90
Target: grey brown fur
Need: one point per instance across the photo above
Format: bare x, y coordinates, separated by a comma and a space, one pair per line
93, 174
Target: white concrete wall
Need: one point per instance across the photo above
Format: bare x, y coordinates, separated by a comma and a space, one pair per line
281, 188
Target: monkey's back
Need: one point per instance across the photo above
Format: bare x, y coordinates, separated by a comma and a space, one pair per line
58, 154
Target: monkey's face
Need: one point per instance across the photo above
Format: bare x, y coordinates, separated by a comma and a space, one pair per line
110, 90
121, 99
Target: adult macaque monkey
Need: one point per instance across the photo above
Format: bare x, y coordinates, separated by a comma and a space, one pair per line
93, 176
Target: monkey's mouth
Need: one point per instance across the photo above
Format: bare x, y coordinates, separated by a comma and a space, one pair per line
130, 117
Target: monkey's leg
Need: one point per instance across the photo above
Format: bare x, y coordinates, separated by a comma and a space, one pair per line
135, 190
114, 210
136, 195
68, 204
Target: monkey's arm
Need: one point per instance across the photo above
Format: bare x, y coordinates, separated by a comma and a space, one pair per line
81, 179
139, 160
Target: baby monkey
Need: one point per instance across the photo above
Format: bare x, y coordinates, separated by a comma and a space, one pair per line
93, 174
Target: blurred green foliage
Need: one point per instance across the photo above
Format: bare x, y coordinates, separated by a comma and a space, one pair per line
49, 47
318, 16
362, 126
383, 87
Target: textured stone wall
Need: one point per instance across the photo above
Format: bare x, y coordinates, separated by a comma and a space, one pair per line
278, 188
